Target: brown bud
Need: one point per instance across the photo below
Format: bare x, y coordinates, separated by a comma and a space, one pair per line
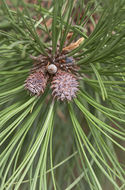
36, 82
64, 85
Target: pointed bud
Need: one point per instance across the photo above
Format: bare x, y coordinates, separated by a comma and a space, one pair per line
64, 85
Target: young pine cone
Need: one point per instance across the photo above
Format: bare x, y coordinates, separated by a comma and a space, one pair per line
36, 82
64, 85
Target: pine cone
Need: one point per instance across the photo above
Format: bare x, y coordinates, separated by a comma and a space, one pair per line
36, 82
64, 85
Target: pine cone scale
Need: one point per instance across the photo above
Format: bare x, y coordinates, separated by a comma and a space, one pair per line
36, 82
64, 85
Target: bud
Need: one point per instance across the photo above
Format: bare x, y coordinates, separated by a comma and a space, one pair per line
52, 69
64, 85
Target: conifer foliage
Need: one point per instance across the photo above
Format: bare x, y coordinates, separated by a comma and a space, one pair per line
62, 94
